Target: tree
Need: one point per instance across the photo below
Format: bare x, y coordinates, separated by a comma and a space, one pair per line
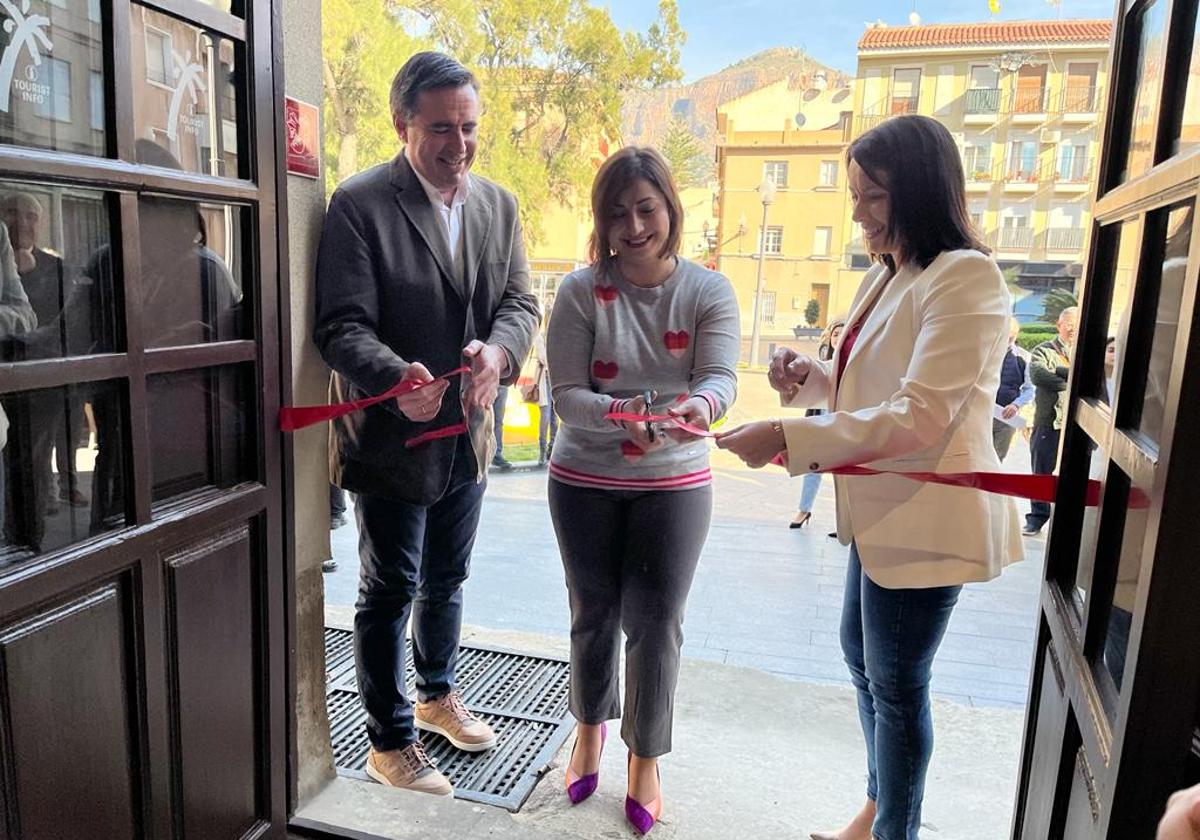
552, 74
684, 153
1054, 303
363, 45
812, 312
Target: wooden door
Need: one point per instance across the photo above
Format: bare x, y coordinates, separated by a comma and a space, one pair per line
143, 656
1112, 707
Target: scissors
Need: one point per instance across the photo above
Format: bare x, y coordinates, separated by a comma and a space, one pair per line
647, 397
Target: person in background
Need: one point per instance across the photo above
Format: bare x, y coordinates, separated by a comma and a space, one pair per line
1049, 367
911, 388
59, 426
16, 318
811, 483
640, 330
1016, 390
498, 460
547, 419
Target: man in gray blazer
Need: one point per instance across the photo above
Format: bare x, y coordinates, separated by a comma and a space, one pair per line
421, 269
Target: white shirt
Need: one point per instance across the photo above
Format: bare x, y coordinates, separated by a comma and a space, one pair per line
452, 216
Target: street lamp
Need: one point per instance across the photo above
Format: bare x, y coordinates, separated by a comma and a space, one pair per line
766, 194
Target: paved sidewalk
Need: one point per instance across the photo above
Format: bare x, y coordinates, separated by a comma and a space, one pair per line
764, 597
754, 756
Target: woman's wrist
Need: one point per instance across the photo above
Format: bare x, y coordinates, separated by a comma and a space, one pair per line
777, 429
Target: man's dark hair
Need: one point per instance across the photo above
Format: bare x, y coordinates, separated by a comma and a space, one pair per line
914, 158
426, 71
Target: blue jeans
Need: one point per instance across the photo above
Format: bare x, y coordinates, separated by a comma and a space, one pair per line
889, 637
809, 486
414, 561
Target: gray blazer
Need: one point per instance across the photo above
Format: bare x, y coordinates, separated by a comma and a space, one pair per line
387, 294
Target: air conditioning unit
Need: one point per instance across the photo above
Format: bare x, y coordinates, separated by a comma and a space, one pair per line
1050, 135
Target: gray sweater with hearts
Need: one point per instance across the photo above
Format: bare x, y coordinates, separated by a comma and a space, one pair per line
608, 341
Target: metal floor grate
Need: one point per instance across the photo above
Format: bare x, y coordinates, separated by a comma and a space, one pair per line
522, 697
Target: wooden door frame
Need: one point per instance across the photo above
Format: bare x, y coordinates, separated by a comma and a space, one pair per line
131, 555
1145, 747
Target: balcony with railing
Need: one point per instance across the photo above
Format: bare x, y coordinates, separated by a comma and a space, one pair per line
1061, 239
1029, 104
904, 105
1078, 103
1072, 173
978, 169
1018, 238
1022, 175
981, 105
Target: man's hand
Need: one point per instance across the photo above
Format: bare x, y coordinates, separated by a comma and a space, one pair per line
487, 363
756, 443
788, 371
694, 411
423, 404
1009, 411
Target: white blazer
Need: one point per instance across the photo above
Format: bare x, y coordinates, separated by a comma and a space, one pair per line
917, 394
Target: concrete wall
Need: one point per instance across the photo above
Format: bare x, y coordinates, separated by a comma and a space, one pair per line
310, 488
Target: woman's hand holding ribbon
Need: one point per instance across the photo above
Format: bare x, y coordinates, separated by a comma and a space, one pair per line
757, 444
637, 430
695, 412
788, 371
421, 404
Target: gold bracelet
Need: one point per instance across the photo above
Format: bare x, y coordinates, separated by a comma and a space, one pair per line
777, 426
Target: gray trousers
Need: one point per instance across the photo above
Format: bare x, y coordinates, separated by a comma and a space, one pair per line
629, 557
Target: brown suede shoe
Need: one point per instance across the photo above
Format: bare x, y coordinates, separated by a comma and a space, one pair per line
448, 717
408, 768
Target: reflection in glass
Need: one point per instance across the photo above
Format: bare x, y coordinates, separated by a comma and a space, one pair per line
1166, 319
1151, 53
185, 98
1129, 566
200, 431
61, 474
1118, 313
1088, 533
192, 270
1189, 130
47, 99
59, 243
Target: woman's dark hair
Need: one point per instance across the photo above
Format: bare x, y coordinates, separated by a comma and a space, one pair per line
616, 175
914, 158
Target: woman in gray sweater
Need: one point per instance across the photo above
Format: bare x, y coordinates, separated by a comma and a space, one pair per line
631, 501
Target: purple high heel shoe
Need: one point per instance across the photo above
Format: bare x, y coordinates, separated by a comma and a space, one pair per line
580, 788
643, 817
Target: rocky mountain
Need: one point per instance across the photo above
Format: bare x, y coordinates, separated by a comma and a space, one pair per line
646, 114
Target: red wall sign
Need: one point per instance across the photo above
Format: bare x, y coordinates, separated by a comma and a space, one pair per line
303, 138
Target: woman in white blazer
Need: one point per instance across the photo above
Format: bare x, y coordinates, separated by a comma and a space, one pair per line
910, 388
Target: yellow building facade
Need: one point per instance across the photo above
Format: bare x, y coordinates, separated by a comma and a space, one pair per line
796, 139
1024, 101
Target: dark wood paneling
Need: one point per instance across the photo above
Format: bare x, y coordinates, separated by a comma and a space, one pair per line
215, 633
1045, 733
69, 737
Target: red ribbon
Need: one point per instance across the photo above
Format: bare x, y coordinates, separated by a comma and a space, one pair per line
292, 418
629, 417
1038, 488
